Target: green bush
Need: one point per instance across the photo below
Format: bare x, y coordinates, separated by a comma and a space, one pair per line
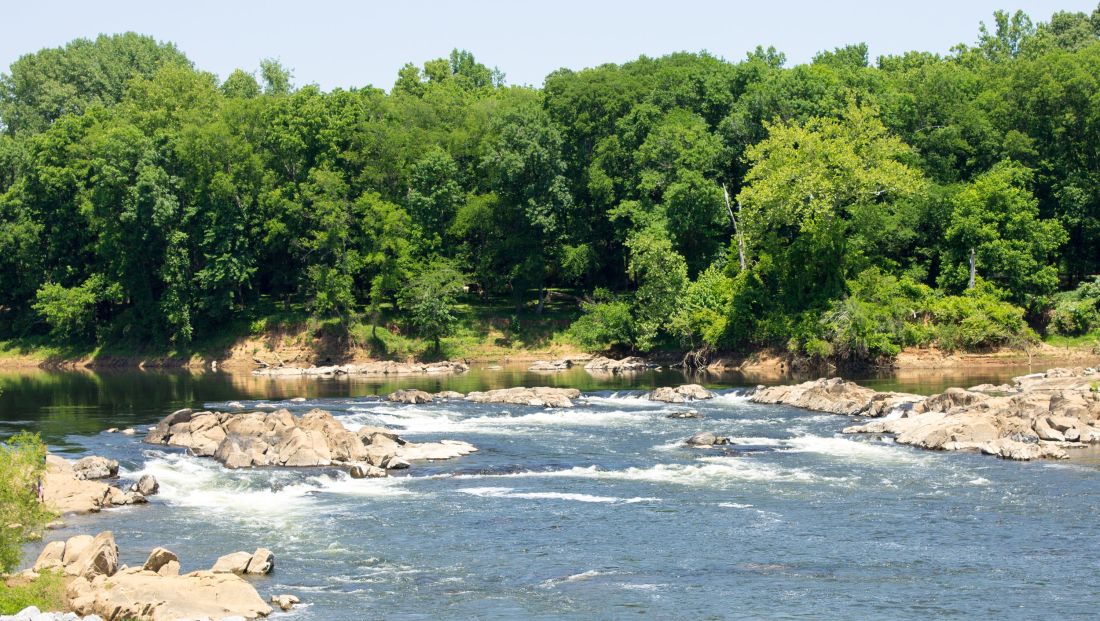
22, 462
702, 312
1077, 312
979, 319
606, 323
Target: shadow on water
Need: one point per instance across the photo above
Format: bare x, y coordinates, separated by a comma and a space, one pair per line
59, 404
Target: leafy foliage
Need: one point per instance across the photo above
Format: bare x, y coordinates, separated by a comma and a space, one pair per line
22, 462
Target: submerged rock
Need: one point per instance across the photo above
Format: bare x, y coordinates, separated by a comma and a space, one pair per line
284, 602
538, 397
681, 394
684, 414
706, 438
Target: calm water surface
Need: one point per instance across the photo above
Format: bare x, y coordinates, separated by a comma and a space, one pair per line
596, 512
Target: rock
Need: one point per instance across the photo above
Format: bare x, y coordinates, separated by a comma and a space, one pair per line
396, 463
538, 397
367, 472
234, 563
129, 431
836, 396
262, 562
603, 365
111, 430
684, 414
146, 486
81, 555
284, 602
298, 400
158, 558
706, 438
449, 394
381, 368
681, 394
543, 366
409, 395
147, 596
63, 492
95, 467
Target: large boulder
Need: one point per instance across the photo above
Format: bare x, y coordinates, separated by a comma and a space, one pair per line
836, 396
601, 365
82, 555
706, 438
160, 558
259, 563
63, 492
147, 485
147, 596
538, 397
681, 394
410, 396
95, 467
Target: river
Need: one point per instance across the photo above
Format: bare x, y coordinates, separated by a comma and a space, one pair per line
595, 512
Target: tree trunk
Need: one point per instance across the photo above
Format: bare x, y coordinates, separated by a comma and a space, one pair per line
973, 270
542, 300
736, 229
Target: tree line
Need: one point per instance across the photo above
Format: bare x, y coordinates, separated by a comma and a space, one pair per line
842, 208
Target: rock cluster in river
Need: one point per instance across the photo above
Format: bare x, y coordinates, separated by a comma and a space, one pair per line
602, 365
381, 368
537, 397
155, 591
1038, 416
279, 438
681, 394
77, 487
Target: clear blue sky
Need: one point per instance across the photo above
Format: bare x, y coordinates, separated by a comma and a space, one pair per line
358, 43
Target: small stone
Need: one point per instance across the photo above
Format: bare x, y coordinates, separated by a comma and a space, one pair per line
366, 471
285, 601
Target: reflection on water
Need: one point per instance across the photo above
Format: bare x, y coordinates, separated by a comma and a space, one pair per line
64, 403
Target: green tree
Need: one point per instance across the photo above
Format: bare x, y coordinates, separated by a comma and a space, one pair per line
429, 300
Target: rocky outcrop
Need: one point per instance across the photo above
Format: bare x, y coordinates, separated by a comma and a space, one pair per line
834, 395
602, 365
381, 368
279, 438
147, 596
83, 556
681, 394
155, 591
1041, 415
66, 490
410, 396
538, 397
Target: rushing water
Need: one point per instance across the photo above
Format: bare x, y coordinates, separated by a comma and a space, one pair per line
596, 512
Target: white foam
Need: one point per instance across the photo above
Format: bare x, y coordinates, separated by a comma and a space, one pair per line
845, 448
979, 481
730, 398
420, 420
254, 495
707, 471
623, 401
508, 492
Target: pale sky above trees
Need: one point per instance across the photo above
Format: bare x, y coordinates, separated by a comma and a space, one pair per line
358, 43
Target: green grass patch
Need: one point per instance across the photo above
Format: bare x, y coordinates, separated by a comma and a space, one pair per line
47, 592
1083, 340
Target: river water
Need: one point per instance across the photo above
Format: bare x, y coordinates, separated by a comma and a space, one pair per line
595, 512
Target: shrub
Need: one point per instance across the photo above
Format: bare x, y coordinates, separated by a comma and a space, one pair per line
703, 309
605, 323
979, 319
1077, 312
22, 462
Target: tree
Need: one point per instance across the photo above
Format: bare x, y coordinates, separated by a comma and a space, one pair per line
429, 300
661, 275
997, 219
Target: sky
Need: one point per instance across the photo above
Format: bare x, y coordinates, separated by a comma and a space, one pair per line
345, 44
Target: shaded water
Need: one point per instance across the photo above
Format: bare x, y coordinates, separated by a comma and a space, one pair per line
597, 512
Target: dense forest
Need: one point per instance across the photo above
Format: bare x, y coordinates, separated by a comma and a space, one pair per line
840, 209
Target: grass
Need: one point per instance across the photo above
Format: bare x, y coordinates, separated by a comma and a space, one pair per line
47, 592
1083, 340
